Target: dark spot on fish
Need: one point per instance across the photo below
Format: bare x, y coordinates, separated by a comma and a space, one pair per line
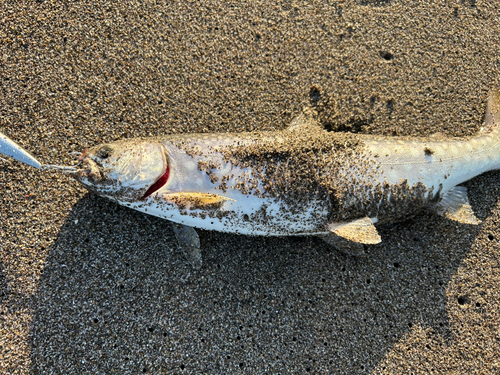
213, 178
428, 151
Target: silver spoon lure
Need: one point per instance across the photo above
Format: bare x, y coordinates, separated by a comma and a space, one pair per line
11, 149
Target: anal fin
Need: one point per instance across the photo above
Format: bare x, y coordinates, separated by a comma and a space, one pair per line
455, 206
189, 242
360, 230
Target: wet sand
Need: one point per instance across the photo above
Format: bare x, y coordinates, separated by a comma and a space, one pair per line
87, 286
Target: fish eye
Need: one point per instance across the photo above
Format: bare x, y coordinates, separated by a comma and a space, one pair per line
104, 152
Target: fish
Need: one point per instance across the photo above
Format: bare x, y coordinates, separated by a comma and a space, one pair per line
302, 180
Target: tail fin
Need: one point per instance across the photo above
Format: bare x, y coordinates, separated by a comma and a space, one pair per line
492, 117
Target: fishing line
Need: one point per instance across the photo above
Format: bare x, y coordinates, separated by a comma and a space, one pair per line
60, 168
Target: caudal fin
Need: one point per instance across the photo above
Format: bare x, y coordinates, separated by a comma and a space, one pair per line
492, 117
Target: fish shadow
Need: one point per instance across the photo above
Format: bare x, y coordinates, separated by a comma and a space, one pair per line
116, 294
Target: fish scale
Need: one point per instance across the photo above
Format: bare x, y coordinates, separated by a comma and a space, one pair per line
434, 163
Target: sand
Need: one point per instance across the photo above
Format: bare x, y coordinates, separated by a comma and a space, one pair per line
90, 287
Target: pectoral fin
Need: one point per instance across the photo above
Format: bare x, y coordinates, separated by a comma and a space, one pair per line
455, 206
196, 200
189, 242
361, 230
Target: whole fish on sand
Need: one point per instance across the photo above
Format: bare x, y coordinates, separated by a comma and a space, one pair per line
299, 181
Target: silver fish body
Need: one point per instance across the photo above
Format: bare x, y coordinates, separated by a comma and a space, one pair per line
303, 180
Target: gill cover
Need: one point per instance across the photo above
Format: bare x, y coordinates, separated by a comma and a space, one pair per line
123, 170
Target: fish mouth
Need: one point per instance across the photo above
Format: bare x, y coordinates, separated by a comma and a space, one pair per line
90, 171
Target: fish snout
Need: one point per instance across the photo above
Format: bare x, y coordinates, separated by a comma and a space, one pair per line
90, 172
83, 155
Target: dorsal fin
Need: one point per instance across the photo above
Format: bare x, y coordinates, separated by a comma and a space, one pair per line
360, 230
306, 121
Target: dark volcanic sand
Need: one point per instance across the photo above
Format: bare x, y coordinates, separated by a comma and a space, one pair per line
90, 287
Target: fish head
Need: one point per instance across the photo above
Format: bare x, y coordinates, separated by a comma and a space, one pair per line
127, 171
